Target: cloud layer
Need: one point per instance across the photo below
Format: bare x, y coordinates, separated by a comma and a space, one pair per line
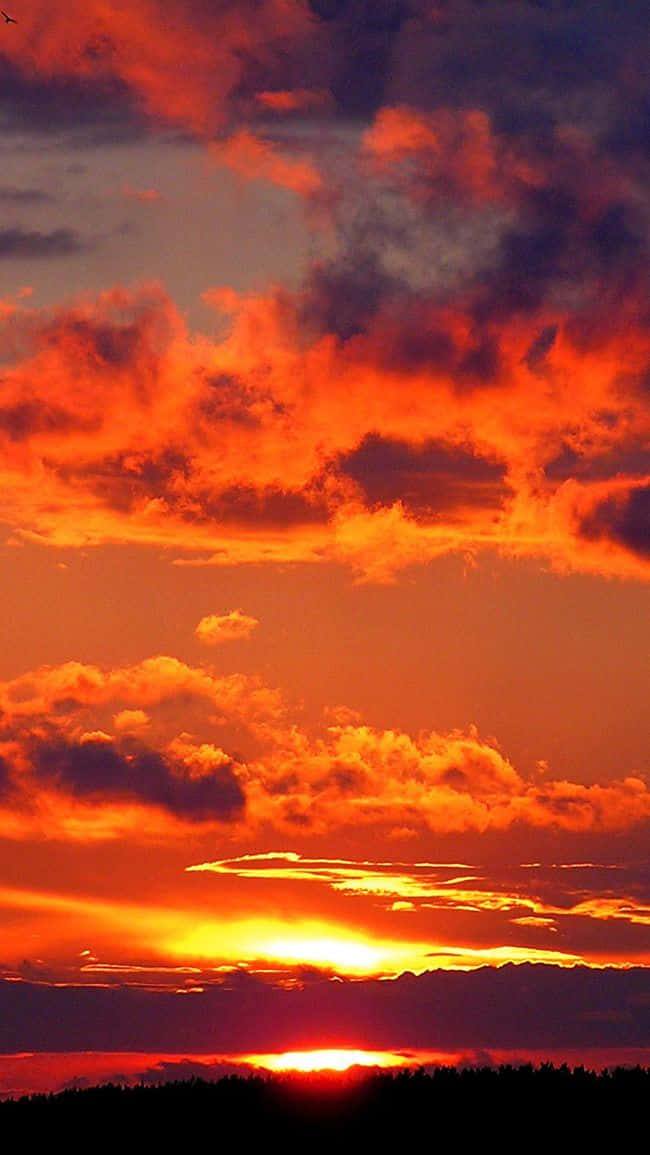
83, 748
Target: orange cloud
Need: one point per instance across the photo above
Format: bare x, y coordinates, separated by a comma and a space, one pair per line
142, 50
257, 159
293, 100
73, 686
450, 152
144, 195
438, 152
131, 720
234, 626
360, 776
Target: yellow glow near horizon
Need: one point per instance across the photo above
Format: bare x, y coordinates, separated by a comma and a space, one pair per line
327, 1060
307, 943
330, 951
171, 937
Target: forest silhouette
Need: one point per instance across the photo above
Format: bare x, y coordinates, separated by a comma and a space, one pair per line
518, 1108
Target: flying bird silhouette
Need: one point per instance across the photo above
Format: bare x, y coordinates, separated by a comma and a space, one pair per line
8, 19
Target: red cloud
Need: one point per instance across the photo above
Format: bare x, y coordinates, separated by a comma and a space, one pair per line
267, 451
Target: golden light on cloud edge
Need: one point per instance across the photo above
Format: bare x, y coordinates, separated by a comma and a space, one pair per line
182, 938
405, 888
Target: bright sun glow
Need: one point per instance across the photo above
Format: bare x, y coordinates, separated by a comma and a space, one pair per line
306, 943
344, 954
326, 1060
281, 944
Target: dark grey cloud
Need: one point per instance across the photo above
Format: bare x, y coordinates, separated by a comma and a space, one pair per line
228, 397
4, 777
343, 296
529, 65
363, 37
93, 110
124, 481
631, 461
427, 478
539, 72
559, 246
104, 344
541, 346
17, 243
99, 770
10, 194
354, 297
26, 418
510, 1007
270, 506
416, 337
623, 518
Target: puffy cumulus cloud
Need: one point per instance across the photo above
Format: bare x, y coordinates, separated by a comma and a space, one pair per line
228, 748
357, 775
72, 766
131, 720
234, 626
63, 691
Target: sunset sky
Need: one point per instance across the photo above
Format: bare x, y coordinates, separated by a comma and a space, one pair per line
325, 533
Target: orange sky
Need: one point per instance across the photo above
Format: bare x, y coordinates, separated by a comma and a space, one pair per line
324, 519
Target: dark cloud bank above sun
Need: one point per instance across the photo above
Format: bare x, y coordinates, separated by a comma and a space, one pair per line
511, 1007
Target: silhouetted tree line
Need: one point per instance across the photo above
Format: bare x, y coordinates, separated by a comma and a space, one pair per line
519, 1108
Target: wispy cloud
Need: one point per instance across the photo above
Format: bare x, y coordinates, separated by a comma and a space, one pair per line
412, 886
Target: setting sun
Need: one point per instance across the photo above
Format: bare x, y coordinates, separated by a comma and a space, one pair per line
339, 953
327, 1060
